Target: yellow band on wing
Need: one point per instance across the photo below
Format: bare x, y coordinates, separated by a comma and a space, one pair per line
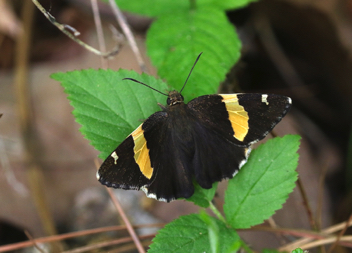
141, 153
237, 116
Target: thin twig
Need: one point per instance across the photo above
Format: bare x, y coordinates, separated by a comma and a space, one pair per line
280, 237
308, 235
326, 232
106, 244
337, 227
126, 220
129, 35
33, 241
340, 235
68, 30
128, 247
319, 210
306, 204
20, 245
287, 231
328, 241
100, 34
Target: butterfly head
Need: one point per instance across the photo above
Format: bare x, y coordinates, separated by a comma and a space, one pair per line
174, 98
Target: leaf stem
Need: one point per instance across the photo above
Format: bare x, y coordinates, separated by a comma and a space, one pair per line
216, 212
246, 247
193, 4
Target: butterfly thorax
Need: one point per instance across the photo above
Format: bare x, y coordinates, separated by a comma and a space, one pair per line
174, 98
180, 121
178, 114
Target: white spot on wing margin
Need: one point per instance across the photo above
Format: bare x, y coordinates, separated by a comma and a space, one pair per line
243, 162
151, 195
235, 173
264, 99
115, 156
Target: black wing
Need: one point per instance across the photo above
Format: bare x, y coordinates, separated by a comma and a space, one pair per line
120, 168
170, 157
152, 160
207, 140
243, 119
129, 166
184, 147
226, 126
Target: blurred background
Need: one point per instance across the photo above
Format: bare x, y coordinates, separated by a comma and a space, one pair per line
299, 48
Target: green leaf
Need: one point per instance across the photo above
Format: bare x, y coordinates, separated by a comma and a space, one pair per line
156, 8
272, 251
263, 184
213, 231
175, 41
189, 233
153, 8
298, 250
201, 196
107, 107
232, 4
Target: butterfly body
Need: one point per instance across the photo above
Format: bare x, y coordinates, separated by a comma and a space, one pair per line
206, 140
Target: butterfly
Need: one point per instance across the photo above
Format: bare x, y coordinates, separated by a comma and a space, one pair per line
206, 140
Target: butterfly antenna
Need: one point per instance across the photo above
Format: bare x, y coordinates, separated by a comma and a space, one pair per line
134, 80
191, 71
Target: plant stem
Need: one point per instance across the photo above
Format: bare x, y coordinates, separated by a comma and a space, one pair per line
216, 212
193, 4
246, 247
222, 218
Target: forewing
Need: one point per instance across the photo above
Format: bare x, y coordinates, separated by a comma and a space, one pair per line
224, 128
211, 112
264, 112
128, 166
240, 118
